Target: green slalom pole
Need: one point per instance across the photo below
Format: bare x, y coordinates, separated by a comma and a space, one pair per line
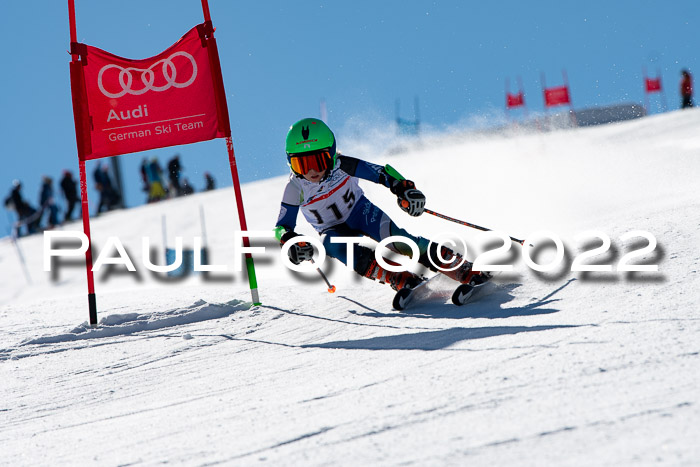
252, 279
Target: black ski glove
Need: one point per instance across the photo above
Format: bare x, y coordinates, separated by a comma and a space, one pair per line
409, 198
298, 252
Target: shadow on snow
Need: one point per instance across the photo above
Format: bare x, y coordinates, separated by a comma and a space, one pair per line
488, 304
432, 340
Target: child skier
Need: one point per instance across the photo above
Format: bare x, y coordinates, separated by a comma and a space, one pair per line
324, 184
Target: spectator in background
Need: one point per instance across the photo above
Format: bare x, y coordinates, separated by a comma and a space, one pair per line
26, 214
209, 181
109, 198
100, 185
186, 187
70, 192
174, 169
155, 181
115, 196
47, 202
686, 89
144, 177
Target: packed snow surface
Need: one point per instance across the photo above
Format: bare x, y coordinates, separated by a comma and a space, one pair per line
544, 368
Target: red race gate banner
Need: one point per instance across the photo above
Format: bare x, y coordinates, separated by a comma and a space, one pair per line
556, 96
515, 100
125, 106
652, 84
122, 106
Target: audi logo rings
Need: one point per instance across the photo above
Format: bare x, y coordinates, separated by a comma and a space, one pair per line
148, 77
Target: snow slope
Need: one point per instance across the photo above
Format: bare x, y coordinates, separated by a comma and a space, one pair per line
556, 368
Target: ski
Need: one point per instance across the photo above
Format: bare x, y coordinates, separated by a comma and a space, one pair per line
465, 292
460, 296
404, 296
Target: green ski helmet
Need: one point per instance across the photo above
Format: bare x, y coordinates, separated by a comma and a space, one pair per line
308, 136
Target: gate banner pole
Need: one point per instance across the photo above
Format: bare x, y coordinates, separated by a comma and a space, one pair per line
225, 127
77, 80
92, 301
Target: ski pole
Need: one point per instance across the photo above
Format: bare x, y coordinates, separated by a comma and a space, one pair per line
14, 233
467, 224
331, 288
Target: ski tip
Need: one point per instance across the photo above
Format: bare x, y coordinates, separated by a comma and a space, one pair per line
462, 294
402, 298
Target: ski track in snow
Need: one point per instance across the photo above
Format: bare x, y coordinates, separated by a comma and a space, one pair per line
555, 368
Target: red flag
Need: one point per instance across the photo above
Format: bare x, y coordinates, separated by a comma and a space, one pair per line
556, 96
515, 100
135, 105
653, 85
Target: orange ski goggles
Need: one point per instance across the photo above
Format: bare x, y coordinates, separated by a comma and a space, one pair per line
302, 163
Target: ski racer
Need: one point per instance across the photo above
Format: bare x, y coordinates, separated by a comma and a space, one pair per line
324, 185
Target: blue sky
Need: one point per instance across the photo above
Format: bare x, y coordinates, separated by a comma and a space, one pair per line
280, 58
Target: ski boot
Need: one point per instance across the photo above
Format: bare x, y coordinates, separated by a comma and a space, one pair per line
397, 280
449, 263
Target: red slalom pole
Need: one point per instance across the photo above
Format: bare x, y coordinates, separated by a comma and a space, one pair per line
467, 224
77, 81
